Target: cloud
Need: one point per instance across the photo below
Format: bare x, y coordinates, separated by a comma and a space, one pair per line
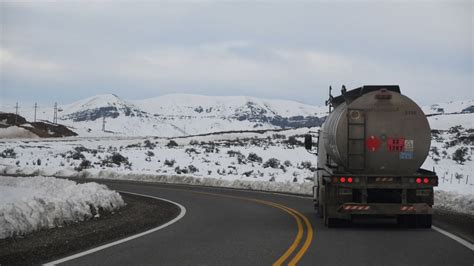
291, 50
19, 66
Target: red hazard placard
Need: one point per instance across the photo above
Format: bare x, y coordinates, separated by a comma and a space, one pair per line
373, 143
396, 144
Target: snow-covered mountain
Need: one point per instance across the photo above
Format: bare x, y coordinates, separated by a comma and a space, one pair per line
184, 114
443, 116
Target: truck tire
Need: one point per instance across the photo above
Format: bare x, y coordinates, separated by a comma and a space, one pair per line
409, 221
424, 221
415, 221
332, 222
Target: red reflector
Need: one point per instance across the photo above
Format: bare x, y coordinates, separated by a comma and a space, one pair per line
343, 179
349, 179
418, 180
426, 180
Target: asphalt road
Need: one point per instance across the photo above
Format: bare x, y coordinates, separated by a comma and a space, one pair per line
231, 227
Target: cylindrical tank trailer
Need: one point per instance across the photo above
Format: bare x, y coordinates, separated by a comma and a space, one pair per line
370, 149
380, 132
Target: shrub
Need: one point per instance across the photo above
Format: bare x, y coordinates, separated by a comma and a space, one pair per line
84, 165
117, 159
150, 154
181, 171
458, 176
76, 154
193, 169
272, 162
279, 136
232, 153
241, 159
456, 130
172, 144
8, 153
248, 173
191, 150
170, 163
293, 141
459, 155
287, 163
306, 165
149, 144
81, 149
253, 157
435, 151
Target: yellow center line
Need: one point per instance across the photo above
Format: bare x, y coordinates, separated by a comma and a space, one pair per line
307, 243
298, 238
299, 217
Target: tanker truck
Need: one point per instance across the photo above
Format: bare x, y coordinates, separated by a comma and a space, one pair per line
370, 149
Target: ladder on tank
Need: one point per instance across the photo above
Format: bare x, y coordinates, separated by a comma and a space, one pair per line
356, 139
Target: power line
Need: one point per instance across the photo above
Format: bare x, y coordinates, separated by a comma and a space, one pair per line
36, 106
16, 113
55, 118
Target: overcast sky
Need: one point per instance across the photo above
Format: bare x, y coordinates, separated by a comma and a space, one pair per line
52, 51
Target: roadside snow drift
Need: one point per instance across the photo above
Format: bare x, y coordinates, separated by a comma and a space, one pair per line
31, 203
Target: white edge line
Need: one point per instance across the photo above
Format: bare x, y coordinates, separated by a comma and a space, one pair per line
454, 237
75, 256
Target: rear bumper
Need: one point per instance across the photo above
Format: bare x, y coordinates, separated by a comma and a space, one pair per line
384, 208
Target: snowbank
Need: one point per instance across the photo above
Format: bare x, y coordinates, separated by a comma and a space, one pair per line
15, 132
453, 201
31, 203
285, 187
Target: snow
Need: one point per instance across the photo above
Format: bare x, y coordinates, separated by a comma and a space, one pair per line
185, 105
16, 132
455, 201
176, 116
446, 121
33, 203
448, 107
171, 115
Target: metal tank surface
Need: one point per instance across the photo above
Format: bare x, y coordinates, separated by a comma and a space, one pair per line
376, 130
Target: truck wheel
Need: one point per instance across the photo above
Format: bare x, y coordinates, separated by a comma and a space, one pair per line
331, 222
334, 223
424, 221
409, 221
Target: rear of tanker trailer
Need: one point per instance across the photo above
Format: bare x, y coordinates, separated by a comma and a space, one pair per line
370, 149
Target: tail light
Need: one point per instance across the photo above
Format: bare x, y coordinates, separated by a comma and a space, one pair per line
418, 180
344, 179
426, 180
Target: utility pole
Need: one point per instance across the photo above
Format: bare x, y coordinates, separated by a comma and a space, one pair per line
103, 123
55, 118
36, 106
16, 113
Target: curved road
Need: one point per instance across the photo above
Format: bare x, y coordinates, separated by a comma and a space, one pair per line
232, 227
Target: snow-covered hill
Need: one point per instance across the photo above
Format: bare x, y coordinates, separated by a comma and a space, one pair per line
185, 114
178, 115
443, 116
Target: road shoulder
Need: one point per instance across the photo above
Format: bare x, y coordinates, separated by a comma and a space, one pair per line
140, 214
456, 223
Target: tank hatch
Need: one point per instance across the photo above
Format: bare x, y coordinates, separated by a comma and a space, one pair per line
349, 96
